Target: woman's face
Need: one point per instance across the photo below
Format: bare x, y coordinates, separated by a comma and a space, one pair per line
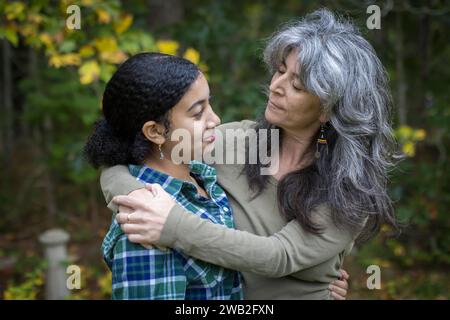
290, 107
194, 114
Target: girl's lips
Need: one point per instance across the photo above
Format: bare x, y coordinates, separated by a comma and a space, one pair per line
210, 138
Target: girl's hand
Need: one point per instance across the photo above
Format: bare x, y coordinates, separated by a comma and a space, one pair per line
339, 287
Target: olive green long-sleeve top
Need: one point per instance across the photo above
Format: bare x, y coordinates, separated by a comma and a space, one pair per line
278, 259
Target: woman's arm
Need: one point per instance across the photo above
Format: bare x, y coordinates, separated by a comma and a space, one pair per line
288, 251
115, 181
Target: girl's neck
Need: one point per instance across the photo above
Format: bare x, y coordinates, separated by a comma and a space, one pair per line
178, 171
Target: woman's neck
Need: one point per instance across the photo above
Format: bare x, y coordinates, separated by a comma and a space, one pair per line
295, 148
296, 152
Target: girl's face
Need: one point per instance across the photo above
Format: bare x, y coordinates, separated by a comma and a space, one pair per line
290, 107
194, 114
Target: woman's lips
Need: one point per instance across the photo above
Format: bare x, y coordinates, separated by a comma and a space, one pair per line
274, 106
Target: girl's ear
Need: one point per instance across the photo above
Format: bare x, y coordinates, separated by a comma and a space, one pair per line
154, 132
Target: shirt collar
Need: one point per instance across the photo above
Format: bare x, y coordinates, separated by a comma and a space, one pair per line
149, 175
173, 185
203, 171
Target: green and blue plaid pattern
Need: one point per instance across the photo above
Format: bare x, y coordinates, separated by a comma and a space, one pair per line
140, 273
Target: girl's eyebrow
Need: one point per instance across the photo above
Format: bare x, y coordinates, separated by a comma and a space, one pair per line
199, 102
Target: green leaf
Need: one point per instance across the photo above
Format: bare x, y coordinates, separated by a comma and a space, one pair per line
10, 35
67, 46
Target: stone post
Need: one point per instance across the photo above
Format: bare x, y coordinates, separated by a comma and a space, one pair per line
54, 242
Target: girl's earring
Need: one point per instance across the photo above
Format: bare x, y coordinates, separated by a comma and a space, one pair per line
161, 154
321, 141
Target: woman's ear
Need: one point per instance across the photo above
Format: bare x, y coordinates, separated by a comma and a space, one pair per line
154, 132
324, 117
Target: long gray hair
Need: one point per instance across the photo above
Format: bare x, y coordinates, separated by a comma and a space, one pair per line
340, 67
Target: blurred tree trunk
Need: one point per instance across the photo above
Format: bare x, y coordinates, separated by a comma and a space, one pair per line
424, 51
400, 70
7, 134
52, 209
164, 13
42, 138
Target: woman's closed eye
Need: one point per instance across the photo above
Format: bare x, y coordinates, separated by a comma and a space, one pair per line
281, 70
297, 86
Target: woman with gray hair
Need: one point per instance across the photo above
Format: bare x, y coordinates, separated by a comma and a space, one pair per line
330, 100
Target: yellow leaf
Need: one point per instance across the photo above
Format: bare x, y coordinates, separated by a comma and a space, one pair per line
72, 59
399, 250
192, 55
385, 228
404, 132
7, 295
103, 16
382, 263
69, 59
409, 149
167, 46
106, 44
203, 67
28, 30
113, 57
86, 51
14, 10
89, 71
46, 39
420, 134
35, 18
124, 23
55, 61
86, 3
38, 281
105, 282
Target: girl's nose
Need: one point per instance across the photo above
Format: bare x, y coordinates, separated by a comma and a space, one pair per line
213, 120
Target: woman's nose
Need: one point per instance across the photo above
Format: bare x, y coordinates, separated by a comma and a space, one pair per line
276, 85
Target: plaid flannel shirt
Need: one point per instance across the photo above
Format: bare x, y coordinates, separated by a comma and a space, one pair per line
140, 273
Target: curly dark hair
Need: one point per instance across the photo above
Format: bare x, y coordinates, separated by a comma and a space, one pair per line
144, 88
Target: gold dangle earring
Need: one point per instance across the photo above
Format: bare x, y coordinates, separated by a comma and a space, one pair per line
161, 154
321, 141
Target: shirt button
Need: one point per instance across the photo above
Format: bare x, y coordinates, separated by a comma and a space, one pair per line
225, 209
